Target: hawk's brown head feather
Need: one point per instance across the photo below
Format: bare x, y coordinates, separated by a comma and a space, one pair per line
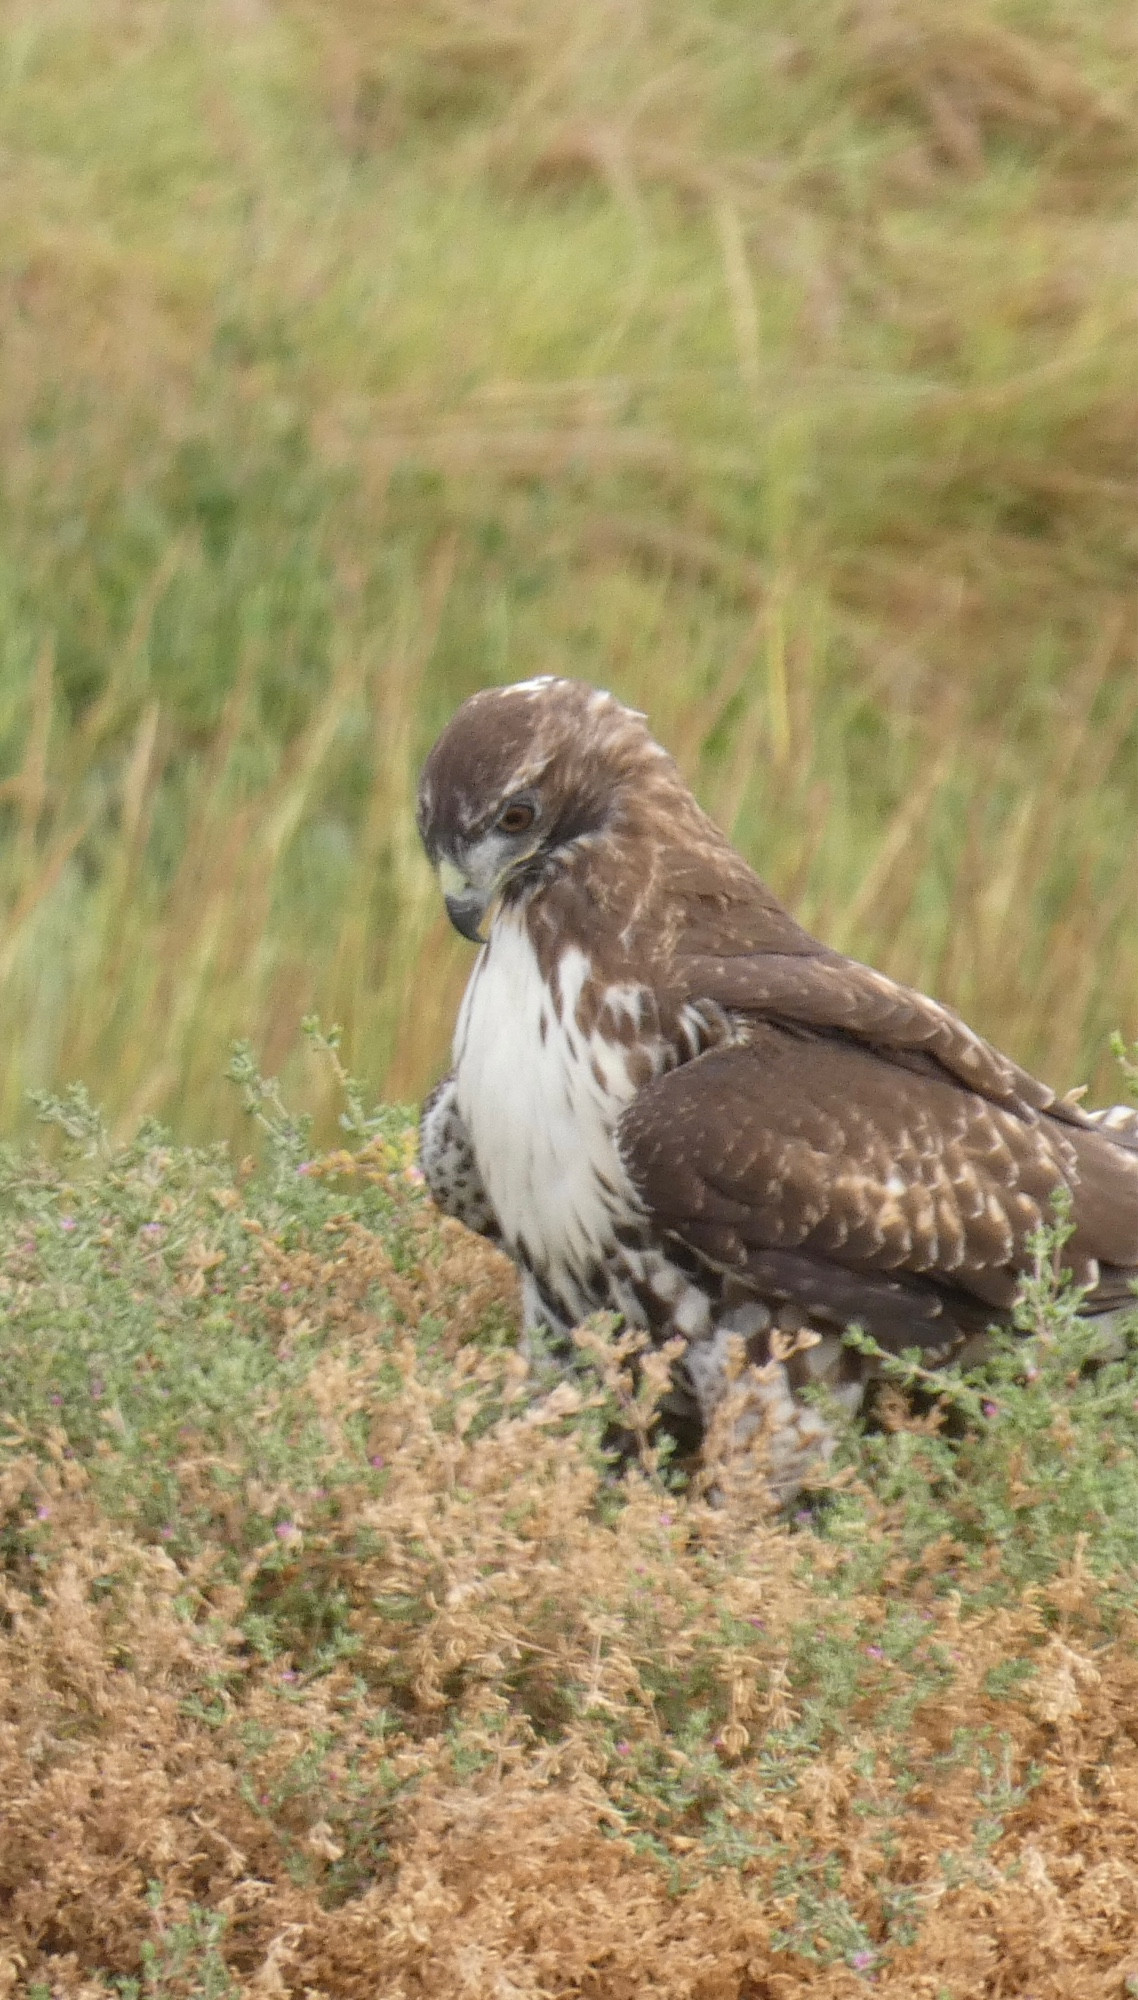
598, 784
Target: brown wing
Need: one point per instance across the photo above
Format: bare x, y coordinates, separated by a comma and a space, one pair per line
833, 994
859, 1188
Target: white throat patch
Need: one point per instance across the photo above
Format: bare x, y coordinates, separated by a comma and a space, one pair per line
541, 1101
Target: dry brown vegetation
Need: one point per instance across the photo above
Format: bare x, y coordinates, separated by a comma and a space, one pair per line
500, 1846
335, 1660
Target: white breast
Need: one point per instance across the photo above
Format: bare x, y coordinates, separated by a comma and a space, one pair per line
541, 1107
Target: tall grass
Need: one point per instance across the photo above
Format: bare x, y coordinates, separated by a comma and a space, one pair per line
773, 365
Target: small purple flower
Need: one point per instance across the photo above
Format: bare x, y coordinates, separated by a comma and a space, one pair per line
862, 1960
285, 1286
55, 1398
622, 1748
377, 1459
875, 1652
151, 1229
43, 1513
990, 1409
665, 1520
67, 1222
166, 1534
305, 1167
289, 1674
286, 1531
759, 1624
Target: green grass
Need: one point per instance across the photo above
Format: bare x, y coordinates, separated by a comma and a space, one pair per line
772, 367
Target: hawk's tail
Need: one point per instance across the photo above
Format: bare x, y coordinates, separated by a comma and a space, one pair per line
1118, 1122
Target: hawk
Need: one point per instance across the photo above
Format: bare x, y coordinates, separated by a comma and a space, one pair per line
667, 1099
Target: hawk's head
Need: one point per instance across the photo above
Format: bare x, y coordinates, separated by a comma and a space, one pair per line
519, 776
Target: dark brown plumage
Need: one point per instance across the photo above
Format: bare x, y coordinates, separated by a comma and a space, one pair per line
669, 1098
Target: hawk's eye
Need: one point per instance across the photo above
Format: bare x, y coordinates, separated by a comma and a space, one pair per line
517, 817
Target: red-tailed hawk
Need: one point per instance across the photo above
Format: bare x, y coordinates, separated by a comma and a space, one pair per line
669, 1100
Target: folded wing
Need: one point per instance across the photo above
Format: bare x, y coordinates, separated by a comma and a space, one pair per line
858, 1179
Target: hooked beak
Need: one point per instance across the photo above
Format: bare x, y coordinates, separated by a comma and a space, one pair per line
466, 914
466, 905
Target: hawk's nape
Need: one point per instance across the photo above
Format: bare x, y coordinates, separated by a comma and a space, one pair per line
669, 1100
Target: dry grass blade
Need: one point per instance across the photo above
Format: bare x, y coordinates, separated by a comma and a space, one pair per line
29, 787
974, 76
48, 869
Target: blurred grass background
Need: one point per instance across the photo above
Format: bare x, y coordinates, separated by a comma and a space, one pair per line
772, 364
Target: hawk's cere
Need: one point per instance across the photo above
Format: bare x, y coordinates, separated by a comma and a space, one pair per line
669, 1100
